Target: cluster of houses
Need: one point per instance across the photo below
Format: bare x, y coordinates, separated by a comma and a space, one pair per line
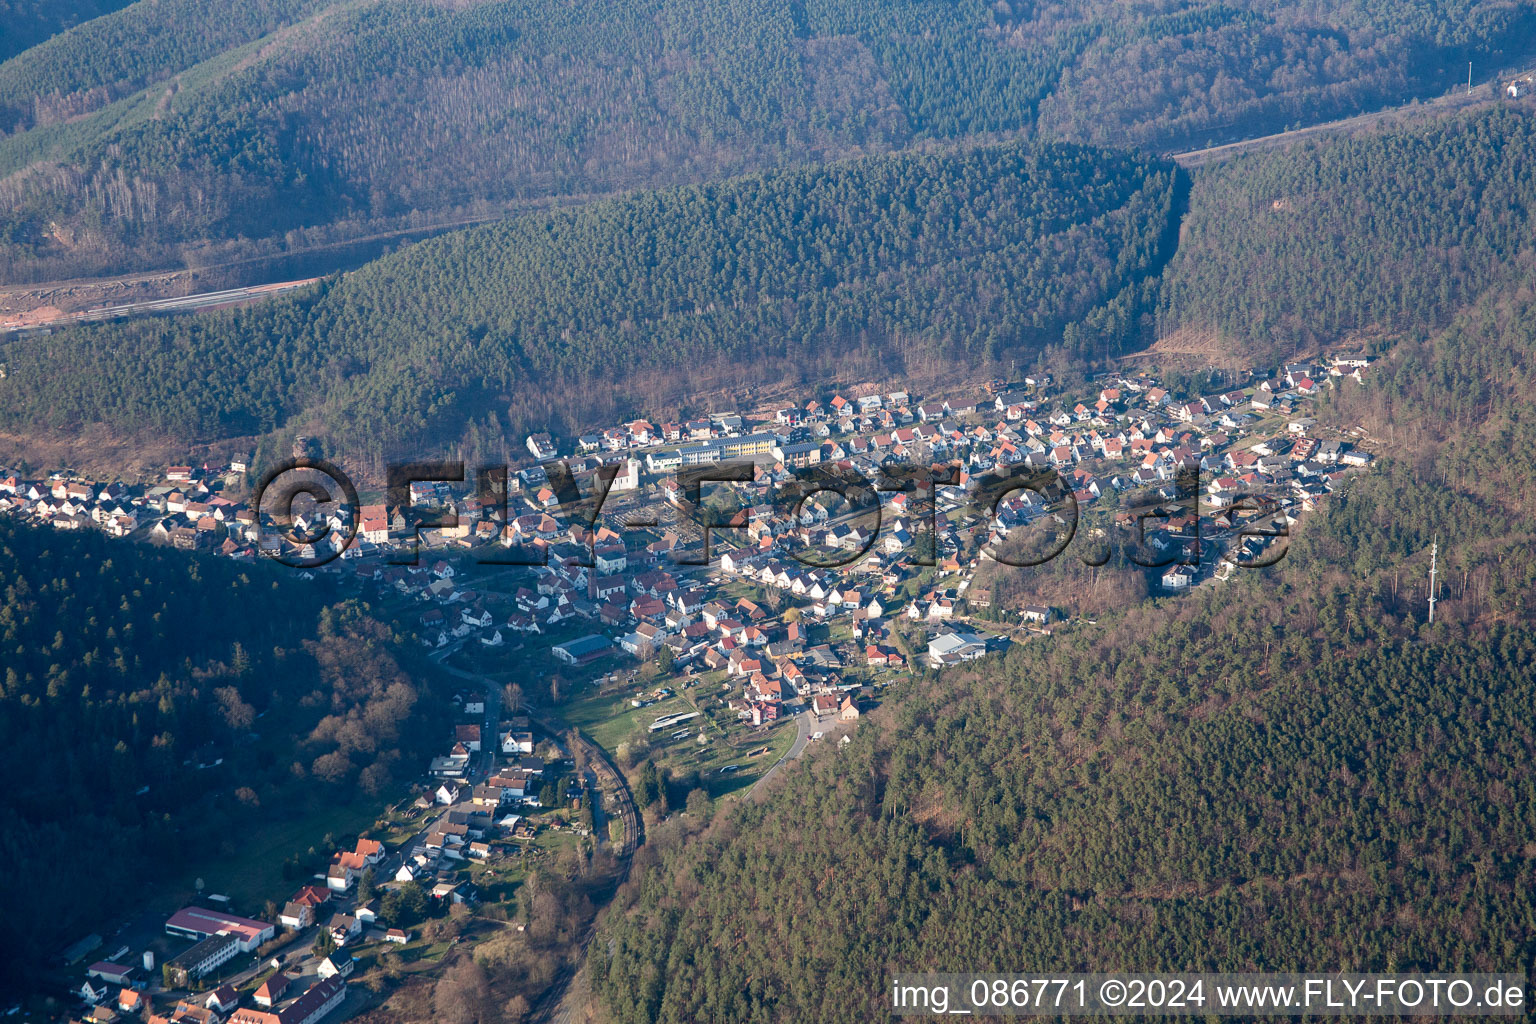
475, 814
1121, 437
117, 993
773, 660
1130, 437
337, 908
185, 509
282, 999
114, 991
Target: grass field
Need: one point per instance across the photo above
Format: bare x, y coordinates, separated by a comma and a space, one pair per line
739, 749
533, 661
608, 721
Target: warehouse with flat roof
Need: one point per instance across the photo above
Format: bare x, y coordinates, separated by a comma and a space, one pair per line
200, 923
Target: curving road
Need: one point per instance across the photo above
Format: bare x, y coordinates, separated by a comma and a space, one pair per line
185, 303
806, 724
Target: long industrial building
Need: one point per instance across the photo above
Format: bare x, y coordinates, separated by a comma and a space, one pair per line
200, 923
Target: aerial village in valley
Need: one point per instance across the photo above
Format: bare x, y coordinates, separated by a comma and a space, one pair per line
628, 582
725, 667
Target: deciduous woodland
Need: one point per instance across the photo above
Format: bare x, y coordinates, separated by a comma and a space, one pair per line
269, 125
138, 686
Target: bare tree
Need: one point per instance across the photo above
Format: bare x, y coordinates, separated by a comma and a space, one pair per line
461, 994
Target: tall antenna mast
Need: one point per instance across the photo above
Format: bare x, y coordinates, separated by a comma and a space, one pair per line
1434, 550
1469, 78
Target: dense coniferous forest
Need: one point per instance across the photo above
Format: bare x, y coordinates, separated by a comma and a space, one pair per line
177, 131
893, 264
118, 54
569, 318
29, 22
1382, 232
1296, 776
1360, 814
125, 669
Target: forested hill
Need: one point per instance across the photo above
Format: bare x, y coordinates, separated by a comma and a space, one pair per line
570, 318
176, 122
1379, 233
1279, 774
895, 264
1370, 813
123, 668
25, 23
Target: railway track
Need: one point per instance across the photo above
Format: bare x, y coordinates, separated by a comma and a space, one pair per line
557, 1006
609, 778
